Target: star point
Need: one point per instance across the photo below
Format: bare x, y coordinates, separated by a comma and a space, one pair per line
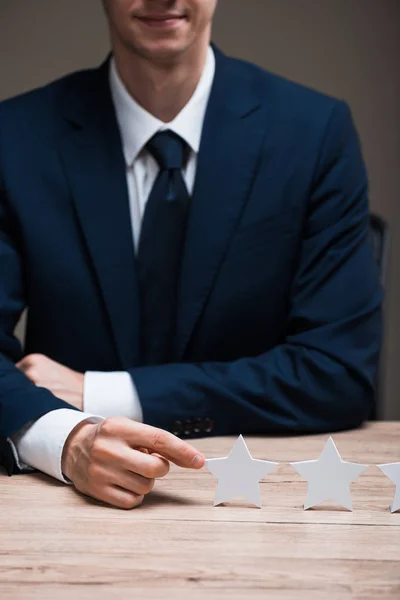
392, 471
239, 474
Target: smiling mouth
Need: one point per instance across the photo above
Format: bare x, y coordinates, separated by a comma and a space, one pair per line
162, 21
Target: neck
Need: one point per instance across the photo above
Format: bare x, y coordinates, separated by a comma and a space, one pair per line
163, 89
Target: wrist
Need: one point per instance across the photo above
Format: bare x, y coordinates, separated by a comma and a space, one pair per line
70, 453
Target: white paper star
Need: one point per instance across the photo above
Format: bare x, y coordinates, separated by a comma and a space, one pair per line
392, 470
329, 477
239, 474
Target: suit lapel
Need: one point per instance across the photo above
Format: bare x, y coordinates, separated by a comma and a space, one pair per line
232, 135
92, 156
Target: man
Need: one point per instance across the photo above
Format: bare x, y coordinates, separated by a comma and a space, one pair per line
190, 234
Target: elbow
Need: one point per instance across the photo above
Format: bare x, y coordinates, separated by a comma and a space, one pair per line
352, 407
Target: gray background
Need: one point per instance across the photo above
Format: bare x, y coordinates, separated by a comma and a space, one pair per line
347, 48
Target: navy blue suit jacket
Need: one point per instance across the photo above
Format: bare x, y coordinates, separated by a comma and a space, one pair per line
279, 320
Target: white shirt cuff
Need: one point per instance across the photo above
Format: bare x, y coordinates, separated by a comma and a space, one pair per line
41, 444
111, 394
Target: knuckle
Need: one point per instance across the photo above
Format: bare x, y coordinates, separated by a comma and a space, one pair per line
32, 374
107, 427
158, 439
97, 450
138, 501
35, 358
93, 472
152, 472
125, 503
148, 485
110, 426
164, 468
130, 501
104, 451
158, 468
108, 453
28, 360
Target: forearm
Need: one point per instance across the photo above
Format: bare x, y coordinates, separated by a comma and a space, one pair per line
289, 389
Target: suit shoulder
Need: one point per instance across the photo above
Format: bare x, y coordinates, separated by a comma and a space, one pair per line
39, 104
286, 96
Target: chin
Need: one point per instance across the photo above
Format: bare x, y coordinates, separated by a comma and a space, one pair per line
164, 51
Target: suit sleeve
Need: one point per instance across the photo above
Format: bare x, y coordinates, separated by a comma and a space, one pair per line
321, 377
21, 401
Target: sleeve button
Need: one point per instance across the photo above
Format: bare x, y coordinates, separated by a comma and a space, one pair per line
198, 426
176, 428
187, 427
208, 425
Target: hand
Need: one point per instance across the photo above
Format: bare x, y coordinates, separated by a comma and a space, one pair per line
117, 461
61, 381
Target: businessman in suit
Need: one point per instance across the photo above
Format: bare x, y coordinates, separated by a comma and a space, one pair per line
190, 235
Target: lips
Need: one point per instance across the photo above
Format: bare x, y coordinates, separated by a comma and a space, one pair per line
161, 17
160, 20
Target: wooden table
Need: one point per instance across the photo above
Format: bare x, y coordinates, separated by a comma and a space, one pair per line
56, 544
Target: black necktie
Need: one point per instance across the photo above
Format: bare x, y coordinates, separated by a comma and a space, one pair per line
161, 247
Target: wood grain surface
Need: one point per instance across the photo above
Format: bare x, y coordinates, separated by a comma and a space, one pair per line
58, 544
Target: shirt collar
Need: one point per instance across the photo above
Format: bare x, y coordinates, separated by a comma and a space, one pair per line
137, 125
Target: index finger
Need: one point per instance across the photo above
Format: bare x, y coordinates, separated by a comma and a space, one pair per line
166, 444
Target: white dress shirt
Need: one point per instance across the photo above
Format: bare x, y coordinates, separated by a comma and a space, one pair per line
40, 445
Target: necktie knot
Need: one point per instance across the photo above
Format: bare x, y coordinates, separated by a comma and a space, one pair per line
168, 149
